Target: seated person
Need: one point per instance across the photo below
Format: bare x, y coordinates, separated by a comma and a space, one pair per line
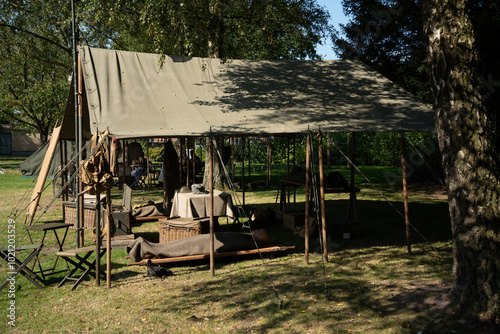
196, 245
138, 171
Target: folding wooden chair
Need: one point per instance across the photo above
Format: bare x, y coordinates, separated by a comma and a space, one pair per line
20, 266
79, 258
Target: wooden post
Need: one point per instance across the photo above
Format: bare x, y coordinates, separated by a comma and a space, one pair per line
80, 206
232, 160
328, 160
352, 210
108, 238
405, 192
243, 169
268, 178
249, 162
308, 180
124, 161
147, 163
98, 239
187, 162
42, 176
193, 158
181, 159
288, 164
211, 183
322, 197
294, 162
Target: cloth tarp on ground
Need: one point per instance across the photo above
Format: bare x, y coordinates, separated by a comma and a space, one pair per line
195, 245
129, 94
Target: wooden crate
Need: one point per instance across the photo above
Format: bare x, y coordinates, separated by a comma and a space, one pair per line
180, 228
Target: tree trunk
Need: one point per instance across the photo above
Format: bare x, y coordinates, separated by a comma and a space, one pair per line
215, 51
218, 168
466, 141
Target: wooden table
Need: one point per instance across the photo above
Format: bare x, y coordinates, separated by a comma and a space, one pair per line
189, 205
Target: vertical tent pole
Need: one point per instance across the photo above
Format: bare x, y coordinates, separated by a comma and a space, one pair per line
181, 159
80, 202
308, 176
249, 162
243, 169
211, 182
328, 160
187, 162
232, 160
294, 162
193, 179
108, 238
269, 161
98, 239
352, 211
322, 197
122, 176
288, 164
405, 191
147, 163
78, 207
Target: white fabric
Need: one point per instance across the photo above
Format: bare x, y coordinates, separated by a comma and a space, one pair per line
189, 205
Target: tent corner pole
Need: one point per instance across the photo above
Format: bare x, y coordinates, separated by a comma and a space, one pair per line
405, 193
308, 175
322, 197
211, 183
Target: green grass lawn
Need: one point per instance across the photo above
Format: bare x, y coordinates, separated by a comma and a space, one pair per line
369, 285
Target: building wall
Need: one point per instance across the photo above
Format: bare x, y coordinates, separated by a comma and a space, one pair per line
18, 142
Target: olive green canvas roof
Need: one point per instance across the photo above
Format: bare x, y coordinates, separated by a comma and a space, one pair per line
130, 94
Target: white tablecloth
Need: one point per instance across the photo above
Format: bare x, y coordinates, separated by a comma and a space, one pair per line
189, 205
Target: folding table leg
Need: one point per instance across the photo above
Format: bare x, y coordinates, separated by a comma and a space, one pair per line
77, 265
24, 270
83, 264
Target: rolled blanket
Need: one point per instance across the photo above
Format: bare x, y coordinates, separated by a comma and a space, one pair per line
196, 245
149, 210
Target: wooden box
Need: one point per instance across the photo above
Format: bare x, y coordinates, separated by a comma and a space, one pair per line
180, 228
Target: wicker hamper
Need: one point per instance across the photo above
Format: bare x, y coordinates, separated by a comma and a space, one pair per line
180, 228
89, 215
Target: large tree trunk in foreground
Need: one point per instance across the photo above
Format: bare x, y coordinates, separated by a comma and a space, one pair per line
467, 144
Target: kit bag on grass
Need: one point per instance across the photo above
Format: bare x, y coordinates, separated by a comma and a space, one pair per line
157, 270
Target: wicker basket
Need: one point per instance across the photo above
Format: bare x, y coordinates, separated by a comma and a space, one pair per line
180, 228
89, 215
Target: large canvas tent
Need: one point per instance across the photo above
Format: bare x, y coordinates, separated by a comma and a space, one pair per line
136, 95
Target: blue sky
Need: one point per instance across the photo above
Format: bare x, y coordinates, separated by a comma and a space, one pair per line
336, 17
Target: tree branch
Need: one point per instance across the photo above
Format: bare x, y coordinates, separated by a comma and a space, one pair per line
43, 38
